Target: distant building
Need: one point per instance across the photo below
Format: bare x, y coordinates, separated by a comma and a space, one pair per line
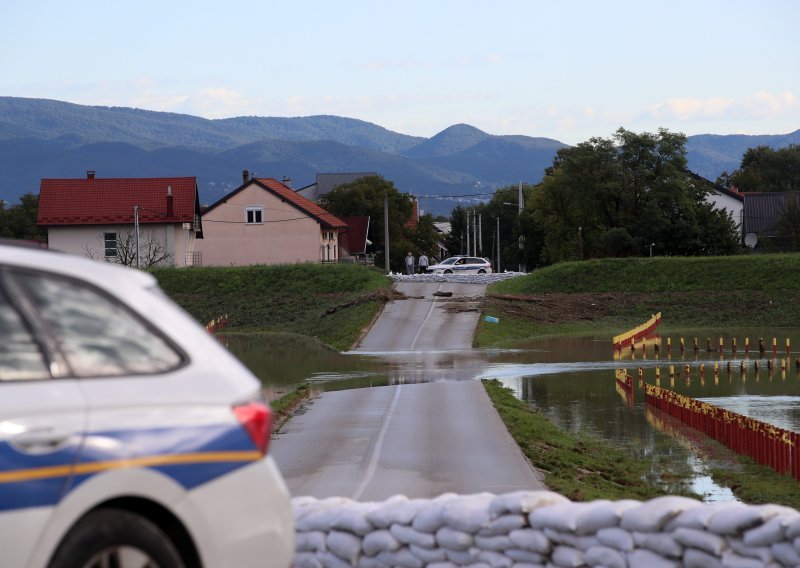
729, 200
99, 217
763, 211
264, 221
325, 183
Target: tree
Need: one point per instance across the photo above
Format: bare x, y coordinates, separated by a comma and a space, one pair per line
365, 197
617, 196
152, 252
765, 169
19, 221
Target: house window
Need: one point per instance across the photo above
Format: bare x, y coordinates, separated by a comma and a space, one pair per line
110, 240
254, 216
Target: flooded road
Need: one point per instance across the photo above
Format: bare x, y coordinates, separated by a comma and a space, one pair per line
571, 380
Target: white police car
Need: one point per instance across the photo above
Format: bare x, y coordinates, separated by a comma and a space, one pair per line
462, 265
128, 435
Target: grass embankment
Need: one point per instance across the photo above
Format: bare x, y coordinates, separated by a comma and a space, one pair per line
333, 303
610, 296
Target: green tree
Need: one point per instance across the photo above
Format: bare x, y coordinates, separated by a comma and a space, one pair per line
365, 196
617, 196
765, 169
19, 221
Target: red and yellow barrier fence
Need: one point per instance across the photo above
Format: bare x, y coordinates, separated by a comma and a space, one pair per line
217, 324
765, 443
629, 338
624, 386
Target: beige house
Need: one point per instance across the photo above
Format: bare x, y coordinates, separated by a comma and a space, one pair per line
266, 222
130, 221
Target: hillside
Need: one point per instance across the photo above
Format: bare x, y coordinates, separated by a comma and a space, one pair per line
45, 138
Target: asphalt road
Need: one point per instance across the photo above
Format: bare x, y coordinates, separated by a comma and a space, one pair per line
418, 440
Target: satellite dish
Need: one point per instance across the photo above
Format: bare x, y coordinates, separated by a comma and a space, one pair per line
751, 240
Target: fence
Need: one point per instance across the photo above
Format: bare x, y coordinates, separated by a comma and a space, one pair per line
629, 338
765, 443
218, 324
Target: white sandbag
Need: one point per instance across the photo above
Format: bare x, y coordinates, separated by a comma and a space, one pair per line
739, 519
524, 556
653, 515
330, 560
428, 555
444, 564
603, 515
531, 539
770, 532
504, 525
469, 513
461, 557
379, 541
567, 556
560, 537
793, 529
561, 517
346, 546
429, 518
387, 512
661, 543
317, 519
699, 559
306, 560
370, 562
313, 541
699, 517
616, 538
494, 543
401, 558
353, 518
731, 559
647, 559
452, 539
761, 553
408, 535
495, 559
523, 502
702, 540
604, 556
786, 554
586, 542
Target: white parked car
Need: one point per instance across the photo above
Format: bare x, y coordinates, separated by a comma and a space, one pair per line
462, 265
128, 435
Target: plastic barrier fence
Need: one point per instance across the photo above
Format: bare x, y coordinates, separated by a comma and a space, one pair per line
765, 443
629, 338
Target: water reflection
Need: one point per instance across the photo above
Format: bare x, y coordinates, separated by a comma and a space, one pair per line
571, 380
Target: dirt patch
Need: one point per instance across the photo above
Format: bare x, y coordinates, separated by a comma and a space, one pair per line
557, 308
463, 304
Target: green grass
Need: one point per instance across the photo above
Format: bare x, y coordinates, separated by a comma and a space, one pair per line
772, 272
333, 303
582, 469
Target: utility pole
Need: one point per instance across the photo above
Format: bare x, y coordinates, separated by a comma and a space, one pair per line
498, 243
469, 216
480, 236
520, 199
386, 227
136, 231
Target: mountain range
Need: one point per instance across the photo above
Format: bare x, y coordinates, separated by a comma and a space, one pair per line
42, 138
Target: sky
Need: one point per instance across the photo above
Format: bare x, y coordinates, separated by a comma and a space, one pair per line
562, 69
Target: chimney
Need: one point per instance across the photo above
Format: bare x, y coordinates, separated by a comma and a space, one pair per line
245, 176
287, 181
89, 174
170, 208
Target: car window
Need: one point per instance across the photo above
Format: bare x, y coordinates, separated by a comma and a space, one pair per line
98, 336
450, 260
20, 356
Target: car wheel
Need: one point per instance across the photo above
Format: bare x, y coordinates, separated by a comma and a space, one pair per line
481, 271
115, 537
448, 271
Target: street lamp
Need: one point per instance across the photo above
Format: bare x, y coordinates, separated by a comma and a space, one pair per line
580, 241
521, 238
651, 249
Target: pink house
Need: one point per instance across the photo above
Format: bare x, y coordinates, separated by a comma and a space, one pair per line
266, 222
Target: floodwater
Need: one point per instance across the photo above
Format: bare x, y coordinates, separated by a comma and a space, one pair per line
571, 380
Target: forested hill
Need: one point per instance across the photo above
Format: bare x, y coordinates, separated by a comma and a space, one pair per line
45, 138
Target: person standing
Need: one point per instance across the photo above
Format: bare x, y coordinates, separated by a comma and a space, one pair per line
423, 263
409, 263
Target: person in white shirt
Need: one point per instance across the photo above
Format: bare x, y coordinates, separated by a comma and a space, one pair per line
423, 263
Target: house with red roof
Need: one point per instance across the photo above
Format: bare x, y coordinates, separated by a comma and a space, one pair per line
264, 221
131, 221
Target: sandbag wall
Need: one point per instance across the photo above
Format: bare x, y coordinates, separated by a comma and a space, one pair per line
542, 528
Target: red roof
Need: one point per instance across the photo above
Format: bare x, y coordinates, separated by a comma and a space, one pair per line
302, 203
354, 238
105, 201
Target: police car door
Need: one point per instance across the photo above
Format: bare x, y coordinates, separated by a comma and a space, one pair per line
42, 415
